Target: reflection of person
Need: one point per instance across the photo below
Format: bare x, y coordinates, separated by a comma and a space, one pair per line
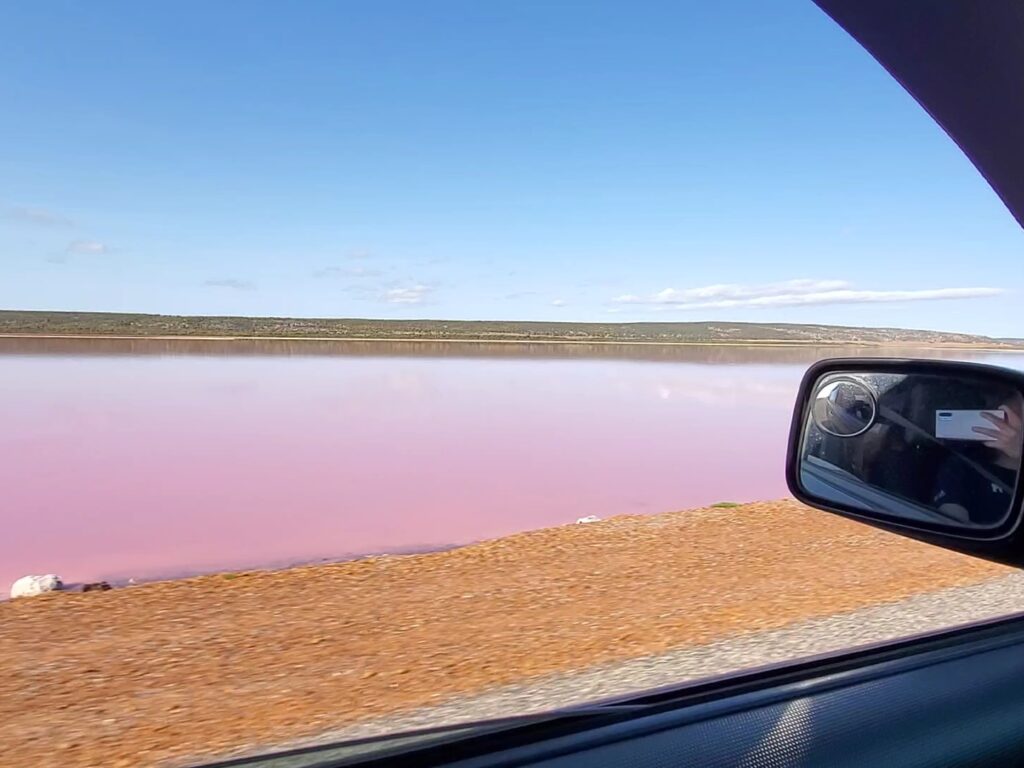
962, 487
899, 457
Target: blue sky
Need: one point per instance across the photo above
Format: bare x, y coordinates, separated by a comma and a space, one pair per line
532, 160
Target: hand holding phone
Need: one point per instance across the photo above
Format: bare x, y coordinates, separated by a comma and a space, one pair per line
1004, 434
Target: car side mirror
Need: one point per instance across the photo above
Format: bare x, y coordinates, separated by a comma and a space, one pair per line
928, 449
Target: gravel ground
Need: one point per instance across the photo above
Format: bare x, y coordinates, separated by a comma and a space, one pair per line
165, 673
921, 613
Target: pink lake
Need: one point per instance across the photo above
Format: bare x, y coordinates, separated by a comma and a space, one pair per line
144, 459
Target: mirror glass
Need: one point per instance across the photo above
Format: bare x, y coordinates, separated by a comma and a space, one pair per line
919, 448
843, 407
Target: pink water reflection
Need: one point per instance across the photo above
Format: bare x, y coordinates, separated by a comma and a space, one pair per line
146, 465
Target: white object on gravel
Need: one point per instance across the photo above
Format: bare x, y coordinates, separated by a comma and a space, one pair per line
588, 519
30, 586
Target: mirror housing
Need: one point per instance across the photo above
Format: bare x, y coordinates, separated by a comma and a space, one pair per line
923, 448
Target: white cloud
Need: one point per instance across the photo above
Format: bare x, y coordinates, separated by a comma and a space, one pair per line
792, 293
411, 295
558, 303
39, 217
231, 282
733, 291
88, 247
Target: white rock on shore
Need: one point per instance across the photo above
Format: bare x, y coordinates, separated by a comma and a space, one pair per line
30, 586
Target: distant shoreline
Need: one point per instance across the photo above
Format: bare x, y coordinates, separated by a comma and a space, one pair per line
577, 342
706, 333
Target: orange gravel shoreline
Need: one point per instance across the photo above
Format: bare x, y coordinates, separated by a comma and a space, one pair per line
169, 672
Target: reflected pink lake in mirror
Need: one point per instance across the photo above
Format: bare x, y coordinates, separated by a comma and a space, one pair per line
149, 459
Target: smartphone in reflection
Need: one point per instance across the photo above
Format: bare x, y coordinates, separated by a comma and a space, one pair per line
959, 424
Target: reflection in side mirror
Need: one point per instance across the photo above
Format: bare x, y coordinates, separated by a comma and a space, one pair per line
843, 407
921, 446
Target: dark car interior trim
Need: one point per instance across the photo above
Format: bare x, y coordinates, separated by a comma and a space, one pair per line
962, 61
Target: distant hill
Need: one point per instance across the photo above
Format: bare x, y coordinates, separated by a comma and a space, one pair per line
118, 324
